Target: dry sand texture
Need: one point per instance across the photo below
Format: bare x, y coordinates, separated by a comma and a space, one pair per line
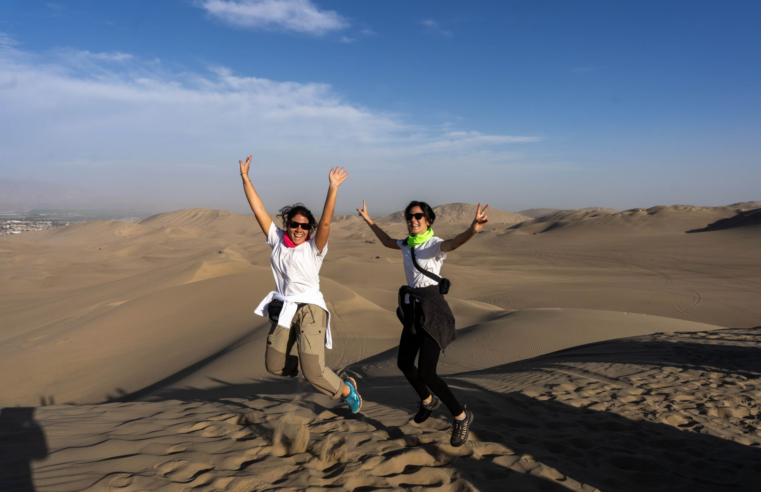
598, 349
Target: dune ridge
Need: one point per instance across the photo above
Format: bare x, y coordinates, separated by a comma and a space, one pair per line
665, 219
458, 213
536, 213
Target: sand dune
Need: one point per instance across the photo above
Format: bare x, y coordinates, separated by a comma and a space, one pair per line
218, 221
638, 412
532, 333
536, 213
744, 218
654, 220
457, 214
463, 213
746, 205
595, 357
104, 231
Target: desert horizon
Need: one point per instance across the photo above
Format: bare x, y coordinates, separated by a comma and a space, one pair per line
134, 349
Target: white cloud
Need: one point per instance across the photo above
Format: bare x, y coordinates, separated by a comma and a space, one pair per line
117, 115
7, 41
114, 56
477, 137
55, 8
360, 34
144, 99
435, 27
292, 15
88, 56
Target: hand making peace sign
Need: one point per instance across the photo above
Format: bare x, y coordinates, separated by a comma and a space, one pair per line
244, 166
480, 220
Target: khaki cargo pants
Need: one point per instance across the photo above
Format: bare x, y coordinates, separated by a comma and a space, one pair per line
308, 333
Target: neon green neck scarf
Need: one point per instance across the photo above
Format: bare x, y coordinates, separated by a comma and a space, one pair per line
420, 238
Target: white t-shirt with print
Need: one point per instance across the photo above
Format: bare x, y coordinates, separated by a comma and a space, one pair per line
428, 255
296, 270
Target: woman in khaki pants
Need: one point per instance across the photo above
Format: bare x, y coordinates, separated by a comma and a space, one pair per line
296, 307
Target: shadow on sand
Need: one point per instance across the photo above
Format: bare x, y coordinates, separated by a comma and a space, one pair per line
599, 448
731, 350
746, 218
21, 441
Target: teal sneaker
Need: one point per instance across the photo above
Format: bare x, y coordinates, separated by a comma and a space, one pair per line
353, 399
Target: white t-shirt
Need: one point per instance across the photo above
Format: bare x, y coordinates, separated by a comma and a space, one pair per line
296, 270
428, 255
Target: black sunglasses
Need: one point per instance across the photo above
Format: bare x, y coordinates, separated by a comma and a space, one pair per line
417, 216
295, 225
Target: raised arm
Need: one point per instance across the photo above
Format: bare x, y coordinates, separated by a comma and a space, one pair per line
382, 236
464, 237
336, 177
265, 221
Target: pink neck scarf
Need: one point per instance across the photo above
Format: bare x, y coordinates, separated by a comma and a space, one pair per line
291, 244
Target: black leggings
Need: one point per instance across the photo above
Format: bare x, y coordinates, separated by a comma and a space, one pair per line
425, 374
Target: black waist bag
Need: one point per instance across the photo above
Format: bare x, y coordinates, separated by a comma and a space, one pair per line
273, 310
444, 283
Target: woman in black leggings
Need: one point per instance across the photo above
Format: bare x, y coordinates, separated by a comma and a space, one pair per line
428, 321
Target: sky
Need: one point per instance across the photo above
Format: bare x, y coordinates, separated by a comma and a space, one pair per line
149, 105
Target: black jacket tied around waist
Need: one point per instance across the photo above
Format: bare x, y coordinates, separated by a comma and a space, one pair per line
436, 317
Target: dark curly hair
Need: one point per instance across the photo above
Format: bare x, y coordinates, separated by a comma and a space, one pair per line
430, 215
288, 212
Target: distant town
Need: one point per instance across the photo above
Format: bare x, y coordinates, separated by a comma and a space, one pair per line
40, 220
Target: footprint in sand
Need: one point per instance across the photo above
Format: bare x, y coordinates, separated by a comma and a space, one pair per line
243, 459
398, 460
183, 471
229, 418
168, 467
290, 437
251, 418
192, 428
179, 448
332, 450
121, 480
215, 431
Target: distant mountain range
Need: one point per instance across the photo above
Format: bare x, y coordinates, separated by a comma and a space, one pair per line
671, 219
535, 213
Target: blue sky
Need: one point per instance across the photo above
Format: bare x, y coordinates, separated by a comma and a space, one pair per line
518, 103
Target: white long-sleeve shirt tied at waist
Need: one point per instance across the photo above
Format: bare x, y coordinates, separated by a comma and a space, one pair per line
291, 305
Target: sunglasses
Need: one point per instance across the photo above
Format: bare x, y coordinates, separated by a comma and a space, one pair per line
417, 216
295, 225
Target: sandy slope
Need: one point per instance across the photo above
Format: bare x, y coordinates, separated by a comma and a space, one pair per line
536, 213
156, 318
655, 220
659, 412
